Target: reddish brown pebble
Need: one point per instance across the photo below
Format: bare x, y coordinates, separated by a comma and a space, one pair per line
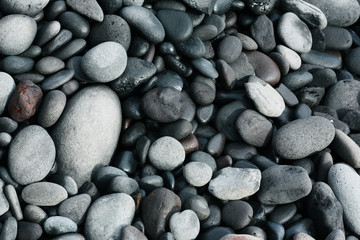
190, 144
24, 101
264, 67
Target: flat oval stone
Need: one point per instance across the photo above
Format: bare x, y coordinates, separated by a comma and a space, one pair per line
48, 31
7, 87
90, 9
60, 40
105, 62
112, 28
341, 14
17, 33
264, 67
344, 181
108, 215
73, 47
229, 49
30, 8
296, 80
145, 22
56, 80
163, 104
294, 33
266, 99
193, 47
254, 128
78, 124
44, 194
51, 109
235, 183
205, 67
57, 225
177, 24
303, 137
337, 38
166, 153
308, 12
78, 25
237, 214
157, 209
16, 64
31, 155
283, 184
321, 59
346, 148
49, 65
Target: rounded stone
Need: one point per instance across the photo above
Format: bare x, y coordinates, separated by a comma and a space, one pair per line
108, 215
237, 214
105, 62
49, 65
229, 49
90, 9
303, 137
77, 24
163, 104
346, 149
17, 32
44, 194
31, 155
344, 181
57, 225
235, 183
145, 22
197, 174
75, 208
166, 153
283, 184
30, 8
123, 184
17, 64
254, 128
93, 118
184, 225
52, 108
294, 33
7, 87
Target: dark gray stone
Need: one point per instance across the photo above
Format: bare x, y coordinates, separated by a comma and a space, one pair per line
56, 80
262, 31
303, 137
193, 47
283, 213
337, 38
283, 184
78, 25
296, 80
74, 47
16, 64
237, 214
321, 59
49, 65
229, 49
48, 31
60, 40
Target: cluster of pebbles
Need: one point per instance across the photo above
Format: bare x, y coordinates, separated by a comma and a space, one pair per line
179, 119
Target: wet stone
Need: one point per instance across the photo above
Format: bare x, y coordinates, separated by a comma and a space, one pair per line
262, 30
78, 25
229, 49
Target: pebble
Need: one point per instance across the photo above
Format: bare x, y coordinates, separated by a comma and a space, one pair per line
108, 215
197, 174
341, 15
262, 31
137, 72
325, 209
283, 213
60, 40
158, 207
346, 148
28, 231
205, 67
235, 183
294, 33
16, 64
56, 80
145, 22
77, 124
205, 32
123, 184
132, 233
193, 47
229, 49
290, 55
337, 38
202, 93
16, 42
184, 225
33, 213
199, 205
308, 12
166, 153
44, 194
303, 137
266, 99
237, 214
70, 236
52, 108
24, 101
9, 229
321, 59
289, 97
282, 63
105, 62
350, 57
31, 155
113, 28
7, 84
323, 78
283, 184
296, 80
264, 67
74, 22
178, 129
75, 208
254, 128
5, 206
203, 157
90, 9
336, 234
177, 24
163, 104
49, 65
57, 225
